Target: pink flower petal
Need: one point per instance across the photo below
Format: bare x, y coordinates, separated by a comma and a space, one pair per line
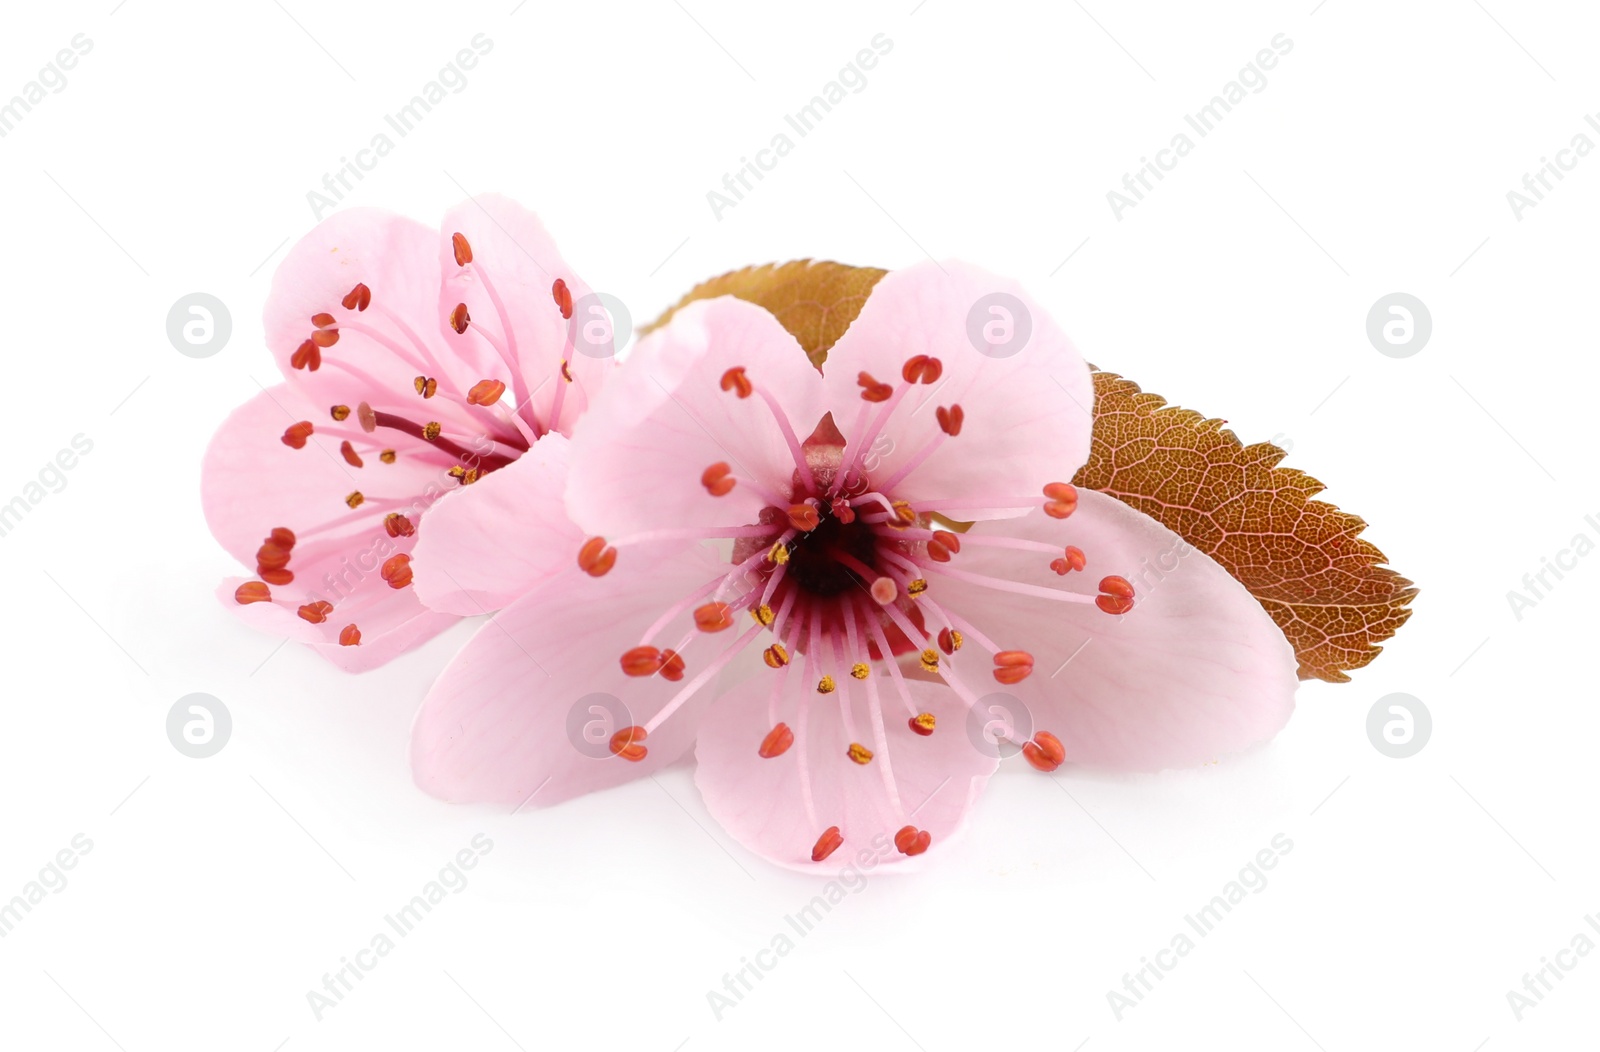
517, 332
491, 542
760, 802
252, 483
1026, 410
639, 454
531, 702
1197, 670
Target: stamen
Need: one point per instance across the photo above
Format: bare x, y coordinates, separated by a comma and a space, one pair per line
942, 545
322, 319
350, 455
716, 479
1063, 499
397, 570
1074, 559
775, 656
826, 685
296, 434
826, 844
949, 640
625, 743
922, 369
804, 517
860, 670
912, 841
485, 392
350, 635
563, 297
387, 456
735, 380
778, 554
950, 420
397, 525
463, 249
1012, 666
595, 559
426, 386
340, 413
873, 390
316, 612
325, 337
1118, 597
916, 587
713, 617
460, 319
859, 753
922, 723
355, 499
929, 660
641, 661
357, 299
277, 577
252, 592
307, 356
763, 614
672, 665
1045, 752
884, 591
777, 742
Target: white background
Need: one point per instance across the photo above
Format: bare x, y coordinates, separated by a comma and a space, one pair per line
1377, 159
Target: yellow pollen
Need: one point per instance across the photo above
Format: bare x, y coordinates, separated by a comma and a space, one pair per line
930, 661
903, 516
456, 471
859, 670
779, 554
923, 720
470, 477
775, 656
426, 386
387, 456
859, 753
431, 429
955, 640
340, 412
763, 614
825, 685
916, 587
566, 371
355, 499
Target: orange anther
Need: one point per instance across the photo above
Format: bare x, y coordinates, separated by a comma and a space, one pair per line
296, 434
717, 479
397, 570
736, 381
1074, 559
1063, 499
323, 320
859, 753
277, 577
397, 525
594, 558
459, 318
1045, 752
1012, 666
325, 338
563, 297
671, 665
625, 743
462, 248
252, 592
642, 661
826, 844
357, 299
307, 356
950, 420
713, 617
350, 636
485, 392
912, 841
922, 369
316, 612
804, 517
349, 453
872, 390
922, 723
777, 742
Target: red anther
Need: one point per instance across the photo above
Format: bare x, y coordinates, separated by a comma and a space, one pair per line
1063, 499
1113, 604
323, 320
485, 392
306, 356
642, 661
713, 617
736, 381
459, 318
826, 844
1045, 752
912, 841
921, 723
843, 512
350, 635
804, 517
922, 369
252, 592
1013, 666
884, 591
316, 612
594, 558
872, 390
463, 248
357, 299
671, 665
397, 525
325, 338
942, 545
1117, 586
397, 570
950, 420
777, 741
349, 453
271, 556
296, 434
563, 297
282, 536
949, 641
277, 577
716, 479
625, 743
1074, 559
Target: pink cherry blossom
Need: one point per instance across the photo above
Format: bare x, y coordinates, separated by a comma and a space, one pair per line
764, 572
427, 376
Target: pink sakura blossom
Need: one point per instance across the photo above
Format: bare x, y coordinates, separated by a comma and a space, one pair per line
760, 569
427, 374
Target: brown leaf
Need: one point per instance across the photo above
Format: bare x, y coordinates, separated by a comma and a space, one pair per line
815, 301
1302, 558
